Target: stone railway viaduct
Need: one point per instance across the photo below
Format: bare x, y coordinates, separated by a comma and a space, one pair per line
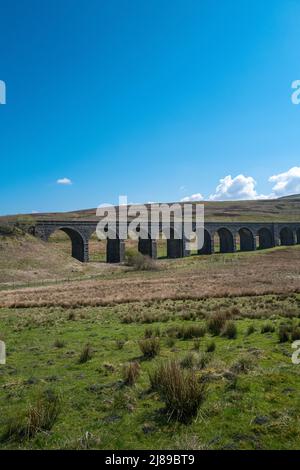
251, 235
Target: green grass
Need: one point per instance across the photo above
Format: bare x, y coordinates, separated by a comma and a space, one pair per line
258, 408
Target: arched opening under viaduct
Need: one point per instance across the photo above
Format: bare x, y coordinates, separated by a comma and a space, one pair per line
265, 238
224, 241
62, 237
298, 236
286, 236
207, 245
246, 240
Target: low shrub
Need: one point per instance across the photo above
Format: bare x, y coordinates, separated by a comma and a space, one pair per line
180, 390
140, 262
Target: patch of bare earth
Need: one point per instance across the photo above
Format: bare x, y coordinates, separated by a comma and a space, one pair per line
262, 273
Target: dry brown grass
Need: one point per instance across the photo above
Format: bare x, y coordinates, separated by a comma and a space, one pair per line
276, 271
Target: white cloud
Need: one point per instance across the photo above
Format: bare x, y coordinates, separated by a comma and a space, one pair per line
241, 187
64, 181
193, 198
286, 183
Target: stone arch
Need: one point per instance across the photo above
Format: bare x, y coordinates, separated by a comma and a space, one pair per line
247, 241
286, 236
226, 240
207, 245
265, 238
79, 245
298, 236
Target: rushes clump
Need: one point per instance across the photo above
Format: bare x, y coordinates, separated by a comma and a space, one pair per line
131, 373
284, 333
180, 390
267, 327
38, 417
152, 332
216, 323
229, 330
295, 333
250, 330
243, 364
211, 346
188, 361
150, 347
86, 354
189, 332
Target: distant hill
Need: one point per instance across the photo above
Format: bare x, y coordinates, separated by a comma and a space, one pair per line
293, 196
281, 209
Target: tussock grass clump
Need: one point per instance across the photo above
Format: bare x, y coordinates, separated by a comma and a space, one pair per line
229, 330
202, 360
216, 322
59, 343
131, 372
267, 327
180, 390
210, 347
250, 330
170, 342
152, 332
38, 417
284, 333
196, 344
295, 334
86, 354
188, 332
242, 365
188, 361
140, 262
149, 347
71, 316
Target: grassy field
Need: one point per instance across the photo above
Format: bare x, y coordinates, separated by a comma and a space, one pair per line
193, 353
250, 401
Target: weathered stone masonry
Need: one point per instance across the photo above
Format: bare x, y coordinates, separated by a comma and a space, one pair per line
252, 236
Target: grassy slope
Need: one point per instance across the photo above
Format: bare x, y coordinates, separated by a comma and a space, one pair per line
259, 411
282, 209
28, 259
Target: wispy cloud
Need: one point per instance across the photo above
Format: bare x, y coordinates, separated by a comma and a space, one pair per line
193, 197
64, 181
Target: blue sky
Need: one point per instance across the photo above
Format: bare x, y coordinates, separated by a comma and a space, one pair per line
157, 100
